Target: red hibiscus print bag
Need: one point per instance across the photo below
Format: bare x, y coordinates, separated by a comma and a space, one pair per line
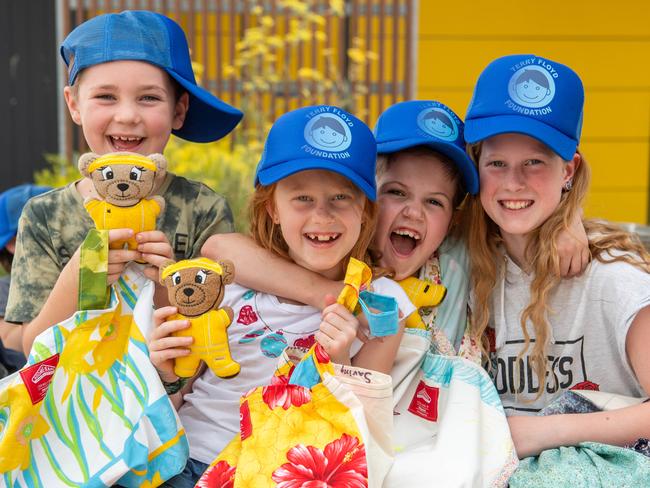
293, 436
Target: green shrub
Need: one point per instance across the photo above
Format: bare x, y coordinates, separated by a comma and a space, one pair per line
225, 167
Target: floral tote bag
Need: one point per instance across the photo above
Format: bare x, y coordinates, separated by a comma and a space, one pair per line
88, 409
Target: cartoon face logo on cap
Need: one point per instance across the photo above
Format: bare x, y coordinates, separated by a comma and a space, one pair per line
328, 132
438, 123
531, 86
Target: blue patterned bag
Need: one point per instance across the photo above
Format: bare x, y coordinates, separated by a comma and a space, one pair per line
88, 409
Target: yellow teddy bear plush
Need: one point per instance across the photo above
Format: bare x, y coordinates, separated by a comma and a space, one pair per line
124, 183
196, 288
422, 294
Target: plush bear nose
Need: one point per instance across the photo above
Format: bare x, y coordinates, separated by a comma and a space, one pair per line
122, 186
188, 292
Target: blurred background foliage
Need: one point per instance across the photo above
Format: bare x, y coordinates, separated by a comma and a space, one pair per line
228, 166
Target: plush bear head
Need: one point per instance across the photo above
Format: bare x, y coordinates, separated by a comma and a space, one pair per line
195, 286
123, 178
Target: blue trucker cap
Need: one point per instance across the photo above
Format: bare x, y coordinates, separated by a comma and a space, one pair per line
12, 202
140, 35
529, 95
426, 123
320, 137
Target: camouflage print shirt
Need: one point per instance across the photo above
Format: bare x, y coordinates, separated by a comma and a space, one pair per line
4, 293
54, 224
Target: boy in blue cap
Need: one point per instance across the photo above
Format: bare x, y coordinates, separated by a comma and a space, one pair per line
131, 86
12, 202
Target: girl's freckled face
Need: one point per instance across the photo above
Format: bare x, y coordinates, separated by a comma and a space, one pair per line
320, 214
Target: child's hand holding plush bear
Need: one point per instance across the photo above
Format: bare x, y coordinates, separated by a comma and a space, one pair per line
196, 288
125, 205
125, 182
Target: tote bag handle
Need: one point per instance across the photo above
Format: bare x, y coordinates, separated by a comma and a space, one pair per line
93, 271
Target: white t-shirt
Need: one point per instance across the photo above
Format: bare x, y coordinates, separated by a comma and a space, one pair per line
589, 315
262, 327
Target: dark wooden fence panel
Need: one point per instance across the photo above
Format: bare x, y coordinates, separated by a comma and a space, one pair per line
28, 87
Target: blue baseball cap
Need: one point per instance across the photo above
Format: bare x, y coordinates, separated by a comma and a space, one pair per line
426, 123
12, 202
140, 35
529, 95
320, 137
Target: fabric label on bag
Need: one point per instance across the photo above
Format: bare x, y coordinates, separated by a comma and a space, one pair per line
245, 426
425, 402
37, 378
356, 373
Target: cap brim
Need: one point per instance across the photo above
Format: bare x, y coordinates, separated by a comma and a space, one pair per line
208, 118
276, 172
479, 129
458, 156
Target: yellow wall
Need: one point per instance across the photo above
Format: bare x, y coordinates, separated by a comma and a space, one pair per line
607, 43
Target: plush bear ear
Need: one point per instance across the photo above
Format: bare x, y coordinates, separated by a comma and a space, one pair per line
169, 262
228, 271
161, 167
84, 162
160, 160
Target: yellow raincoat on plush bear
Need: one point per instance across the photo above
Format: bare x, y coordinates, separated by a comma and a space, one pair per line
196, 288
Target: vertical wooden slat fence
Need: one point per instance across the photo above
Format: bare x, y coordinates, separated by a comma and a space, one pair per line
214, 27
329, 29
381, 49
395, 19
368, 44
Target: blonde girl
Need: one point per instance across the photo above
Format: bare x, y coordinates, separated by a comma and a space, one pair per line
546, 334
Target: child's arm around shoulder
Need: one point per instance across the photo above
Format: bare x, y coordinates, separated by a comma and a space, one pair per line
209, 212
573, 248
260, 270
